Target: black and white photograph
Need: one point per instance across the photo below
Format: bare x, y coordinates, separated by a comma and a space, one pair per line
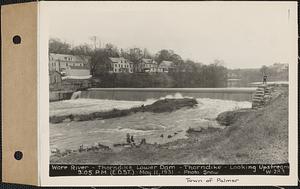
170, 88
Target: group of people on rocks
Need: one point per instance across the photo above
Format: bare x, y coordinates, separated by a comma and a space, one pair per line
130, 140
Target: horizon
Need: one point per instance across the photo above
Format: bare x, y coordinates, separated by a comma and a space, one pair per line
243, 35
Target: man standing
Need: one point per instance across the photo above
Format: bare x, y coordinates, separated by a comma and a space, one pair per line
265, 79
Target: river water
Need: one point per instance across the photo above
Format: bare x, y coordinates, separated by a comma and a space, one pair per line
154, 127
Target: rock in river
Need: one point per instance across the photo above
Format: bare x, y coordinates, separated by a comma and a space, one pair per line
164, 105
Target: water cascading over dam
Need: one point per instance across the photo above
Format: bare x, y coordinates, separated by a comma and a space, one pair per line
141, 94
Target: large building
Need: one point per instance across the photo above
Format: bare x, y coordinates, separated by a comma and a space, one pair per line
68, 72
119, 65
62, 62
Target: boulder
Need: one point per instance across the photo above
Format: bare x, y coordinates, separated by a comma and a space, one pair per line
229, 117
169, 105
194, 129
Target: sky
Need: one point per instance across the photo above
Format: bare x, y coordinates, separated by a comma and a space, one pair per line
243, 35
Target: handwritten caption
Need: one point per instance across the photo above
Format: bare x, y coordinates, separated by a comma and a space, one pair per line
142, 170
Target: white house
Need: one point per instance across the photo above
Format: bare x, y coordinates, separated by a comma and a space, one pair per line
120, 65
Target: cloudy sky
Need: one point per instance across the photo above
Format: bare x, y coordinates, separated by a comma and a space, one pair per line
244, 35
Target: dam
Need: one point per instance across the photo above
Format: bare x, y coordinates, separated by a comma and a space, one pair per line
142, 94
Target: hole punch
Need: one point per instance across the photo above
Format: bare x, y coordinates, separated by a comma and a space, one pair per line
18, 155
16, 39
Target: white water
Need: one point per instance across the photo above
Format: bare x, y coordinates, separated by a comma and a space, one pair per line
142, 125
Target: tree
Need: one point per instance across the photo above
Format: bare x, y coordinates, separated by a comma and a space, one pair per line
59, 47
163, 55
218, 62
82, 50
135, 55
168, 55
98, 61
111, 50
264, 70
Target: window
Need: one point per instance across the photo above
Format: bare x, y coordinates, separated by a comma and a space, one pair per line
115, 70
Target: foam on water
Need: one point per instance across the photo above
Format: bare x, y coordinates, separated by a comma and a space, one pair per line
151, 126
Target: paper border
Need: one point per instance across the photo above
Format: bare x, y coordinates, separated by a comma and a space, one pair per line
19, 93
245, 180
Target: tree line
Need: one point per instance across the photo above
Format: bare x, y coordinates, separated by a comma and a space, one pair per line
187, 73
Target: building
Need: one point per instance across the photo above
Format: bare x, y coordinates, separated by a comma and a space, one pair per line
61, 62
69, 72
78, 71
166, 66
146, 65
119, 65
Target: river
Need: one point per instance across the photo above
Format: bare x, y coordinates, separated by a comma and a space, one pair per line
154, 127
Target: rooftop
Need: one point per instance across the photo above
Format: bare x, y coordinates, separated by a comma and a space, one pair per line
118, 59
68, 57
149, 61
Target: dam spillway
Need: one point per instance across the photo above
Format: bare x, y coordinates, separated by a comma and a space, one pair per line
141, 94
